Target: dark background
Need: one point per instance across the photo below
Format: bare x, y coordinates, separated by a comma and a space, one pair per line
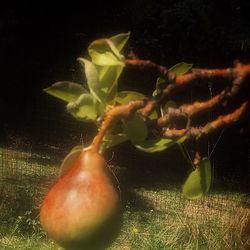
39, 45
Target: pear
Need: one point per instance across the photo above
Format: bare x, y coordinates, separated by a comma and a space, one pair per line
82, 210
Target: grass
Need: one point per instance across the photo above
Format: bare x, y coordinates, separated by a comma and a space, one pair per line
154, 218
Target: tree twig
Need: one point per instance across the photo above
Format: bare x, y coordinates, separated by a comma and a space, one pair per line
188, 111
236, 75
146, 64
221, 122
110, 118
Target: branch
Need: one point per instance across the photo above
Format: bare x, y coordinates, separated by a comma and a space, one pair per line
146, 106
189, 110
225, 120
146, 64
220, 122
236, 75
113, 115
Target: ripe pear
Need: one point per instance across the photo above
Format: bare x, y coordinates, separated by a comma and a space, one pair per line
82, 209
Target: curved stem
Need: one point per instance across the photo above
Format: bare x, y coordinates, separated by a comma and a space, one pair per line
112, 116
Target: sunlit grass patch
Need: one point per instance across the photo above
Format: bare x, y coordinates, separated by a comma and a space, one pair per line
190, 225
154, 218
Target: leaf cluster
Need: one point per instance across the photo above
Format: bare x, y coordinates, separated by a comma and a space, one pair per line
102, 71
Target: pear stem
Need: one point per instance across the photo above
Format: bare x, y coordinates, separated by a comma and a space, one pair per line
112, 116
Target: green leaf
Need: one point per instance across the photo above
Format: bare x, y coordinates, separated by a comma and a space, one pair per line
102, 80
181, 68
168, 104
120, 40
181, 139
199, 181
153, 115
110, 99
92, 79
84, 108
155, 93
65, 90
103, 52
135, 128
108, 78
154, 145
111, 140
206, 175
69, 160
124, 97
158, 86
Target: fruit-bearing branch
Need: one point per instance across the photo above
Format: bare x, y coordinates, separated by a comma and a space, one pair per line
221, 122
127, 110
236, 75
188, 111
112, 116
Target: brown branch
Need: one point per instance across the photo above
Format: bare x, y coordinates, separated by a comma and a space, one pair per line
171, 115
146, 106
236, 74
220, 122
146, 64
110, 118
204, 74
240, 70
197, 108
225, 120
190, 110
